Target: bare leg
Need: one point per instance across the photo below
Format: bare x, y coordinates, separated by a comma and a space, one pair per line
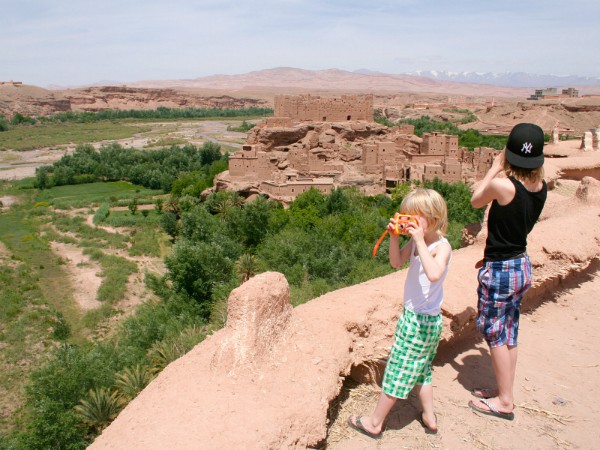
425, 393
374, 422
504, 363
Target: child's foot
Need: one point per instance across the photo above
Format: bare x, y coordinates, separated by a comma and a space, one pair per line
493, 407
429, 423
364, 425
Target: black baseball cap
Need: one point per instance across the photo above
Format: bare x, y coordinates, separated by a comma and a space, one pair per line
525, 146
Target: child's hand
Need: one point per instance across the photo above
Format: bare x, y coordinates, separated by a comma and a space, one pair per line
392, 226
498, 163
416, 231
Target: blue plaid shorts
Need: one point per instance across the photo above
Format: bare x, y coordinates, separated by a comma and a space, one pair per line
502, 285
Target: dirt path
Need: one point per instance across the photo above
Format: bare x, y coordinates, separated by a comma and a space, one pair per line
83, 273
556, 389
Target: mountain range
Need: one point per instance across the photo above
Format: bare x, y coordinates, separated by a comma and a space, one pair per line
292, 80
509, 79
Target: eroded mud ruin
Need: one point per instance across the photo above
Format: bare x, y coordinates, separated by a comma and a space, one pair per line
322, 143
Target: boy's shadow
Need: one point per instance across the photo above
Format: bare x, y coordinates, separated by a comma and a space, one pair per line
472, 362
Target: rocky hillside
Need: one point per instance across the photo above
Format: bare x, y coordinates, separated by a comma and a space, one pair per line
33, 100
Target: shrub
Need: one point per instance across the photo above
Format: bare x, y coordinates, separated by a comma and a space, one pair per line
99, 408
61, 328
132, 380
101, 213
163, 353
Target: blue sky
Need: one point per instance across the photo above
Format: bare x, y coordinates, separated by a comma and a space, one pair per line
70, 43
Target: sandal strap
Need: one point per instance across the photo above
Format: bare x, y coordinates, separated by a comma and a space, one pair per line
489, 405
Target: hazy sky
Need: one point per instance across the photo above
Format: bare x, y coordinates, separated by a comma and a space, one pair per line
68, 42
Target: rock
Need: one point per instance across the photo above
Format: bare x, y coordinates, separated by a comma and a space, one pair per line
586, 141
589, 190
257, 314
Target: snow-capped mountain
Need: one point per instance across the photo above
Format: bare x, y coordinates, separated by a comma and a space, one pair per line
512, 79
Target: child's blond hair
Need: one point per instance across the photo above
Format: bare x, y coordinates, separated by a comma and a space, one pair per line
429, 204
532, 175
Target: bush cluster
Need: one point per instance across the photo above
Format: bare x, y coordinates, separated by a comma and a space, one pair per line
466, 138
154, 169
323, 240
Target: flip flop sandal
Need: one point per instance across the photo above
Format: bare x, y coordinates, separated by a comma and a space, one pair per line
492, 410
361, 429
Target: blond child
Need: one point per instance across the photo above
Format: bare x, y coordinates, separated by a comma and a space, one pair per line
420, 325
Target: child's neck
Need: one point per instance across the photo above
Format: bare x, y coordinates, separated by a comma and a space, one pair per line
430, 237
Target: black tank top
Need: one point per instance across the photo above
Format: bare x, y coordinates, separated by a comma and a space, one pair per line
509, 225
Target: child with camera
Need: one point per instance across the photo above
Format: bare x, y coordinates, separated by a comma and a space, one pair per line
419, 328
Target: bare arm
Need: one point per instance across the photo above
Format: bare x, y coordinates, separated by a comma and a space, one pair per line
398, 256
489, 188
434, 265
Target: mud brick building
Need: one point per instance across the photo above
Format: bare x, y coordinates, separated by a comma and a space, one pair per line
316, 109
322, 143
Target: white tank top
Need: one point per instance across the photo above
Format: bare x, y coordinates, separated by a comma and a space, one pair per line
421, 295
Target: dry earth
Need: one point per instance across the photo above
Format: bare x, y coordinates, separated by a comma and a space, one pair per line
268, 379
84, 274
556, 389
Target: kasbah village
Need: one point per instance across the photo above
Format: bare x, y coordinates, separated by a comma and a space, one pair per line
322, 143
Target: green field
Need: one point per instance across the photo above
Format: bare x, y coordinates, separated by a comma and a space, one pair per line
92, 194
28, 137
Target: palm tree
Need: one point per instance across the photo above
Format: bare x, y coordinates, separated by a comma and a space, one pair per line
132, 380
246, 267
222, 208
164, 352
99, 408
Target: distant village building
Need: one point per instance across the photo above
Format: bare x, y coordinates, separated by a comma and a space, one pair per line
317, 109
322, 158
11, 83
552, 93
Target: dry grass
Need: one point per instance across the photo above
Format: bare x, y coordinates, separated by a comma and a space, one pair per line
353, 400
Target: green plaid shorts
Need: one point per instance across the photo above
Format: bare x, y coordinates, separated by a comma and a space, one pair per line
415, 343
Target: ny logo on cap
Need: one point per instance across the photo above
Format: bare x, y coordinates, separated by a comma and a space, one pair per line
527, 147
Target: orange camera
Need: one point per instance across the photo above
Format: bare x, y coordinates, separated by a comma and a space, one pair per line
402, 220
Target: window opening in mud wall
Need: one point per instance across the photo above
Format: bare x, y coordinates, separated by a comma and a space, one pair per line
324, 118
348, 118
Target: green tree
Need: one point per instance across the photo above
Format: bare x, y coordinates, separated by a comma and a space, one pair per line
169, 224
198, 225
337, 202
4, 126
252, 221
158, 205
196, 269
209, 153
